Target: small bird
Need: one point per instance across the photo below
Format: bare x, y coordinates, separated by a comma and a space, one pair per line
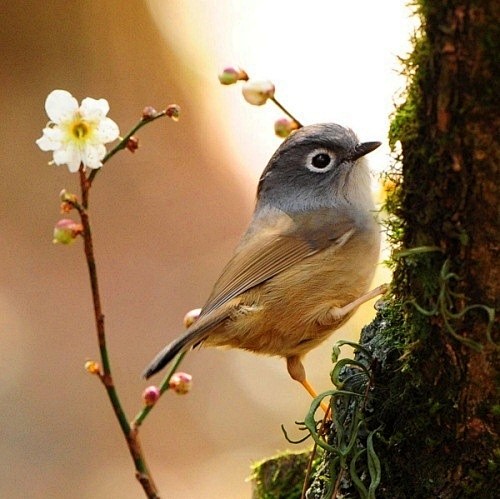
307, 259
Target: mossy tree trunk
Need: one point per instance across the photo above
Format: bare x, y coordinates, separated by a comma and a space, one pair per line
433, 397
430, 416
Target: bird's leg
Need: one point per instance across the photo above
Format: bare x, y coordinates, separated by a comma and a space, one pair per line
298, 373
334, 314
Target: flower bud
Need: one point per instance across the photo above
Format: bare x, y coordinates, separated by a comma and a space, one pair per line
67, 197
257, 92
68, 201
231, 75
173, 111
181, 383
150, 395
132, 144
284, 127
66, 230
148, 113
191, 317
92, 367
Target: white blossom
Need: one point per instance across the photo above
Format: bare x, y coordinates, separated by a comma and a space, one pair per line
77, 134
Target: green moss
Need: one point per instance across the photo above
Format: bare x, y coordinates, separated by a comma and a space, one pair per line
282, 476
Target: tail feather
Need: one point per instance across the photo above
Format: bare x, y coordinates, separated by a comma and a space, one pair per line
196, 334
179, 345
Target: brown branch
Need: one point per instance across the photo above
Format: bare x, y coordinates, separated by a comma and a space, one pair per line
131, 434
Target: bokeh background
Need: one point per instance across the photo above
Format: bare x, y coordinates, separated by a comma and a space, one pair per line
165, 221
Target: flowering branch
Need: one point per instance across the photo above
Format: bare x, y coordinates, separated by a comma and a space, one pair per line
258, 93
148, 115
152, 395
76, 135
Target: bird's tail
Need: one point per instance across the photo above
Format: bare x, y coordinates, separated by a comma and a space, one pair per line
181, 344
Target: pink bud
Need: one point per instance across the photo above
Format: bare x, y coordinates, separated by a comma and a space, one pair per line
284, 127
257, 92
66, 230
231, 75
150, 395
148, 113
132, 143
173, 111
181, 383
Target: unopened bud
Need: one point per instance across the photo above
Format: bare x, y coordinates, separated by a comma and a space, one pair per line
68, 201
149, 113
66, 231
92, 367
191, 317
284, 127
67, 197
181, 383
257, 92
173, 111
150, 395
132, 144
231, 75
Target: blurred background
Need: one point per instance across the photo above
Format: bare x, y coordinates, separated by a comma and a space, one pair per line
165, 221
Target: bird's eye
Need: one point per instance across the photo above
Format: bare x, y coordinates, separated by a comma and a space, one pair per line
320, 161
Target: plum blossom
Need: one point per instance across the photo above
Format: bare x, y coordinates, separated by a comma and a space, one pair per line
77, 134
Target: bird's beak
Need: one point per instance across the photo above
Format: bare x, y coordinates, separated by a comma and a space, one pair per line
363, 149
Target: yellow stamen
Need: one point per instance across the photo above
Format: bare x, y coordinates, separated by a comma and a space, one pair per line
80, 129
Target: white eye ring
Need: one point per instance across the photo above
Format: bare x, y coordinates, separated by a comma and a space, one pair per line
317, 158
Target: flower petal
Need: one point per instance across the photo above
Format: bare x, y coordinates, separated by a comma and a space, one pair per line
60, 105
70, 156
50, 140
107, 131
93, 109
60, 157
92, 155
46, 144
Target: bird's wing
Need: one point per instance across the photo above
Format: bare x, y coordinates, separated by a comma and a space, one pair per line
281, 243
277, 248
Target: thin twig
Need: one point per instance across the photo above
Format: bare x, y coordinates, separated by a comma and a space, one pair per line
124, 141
285, 110
131, 435
164, 386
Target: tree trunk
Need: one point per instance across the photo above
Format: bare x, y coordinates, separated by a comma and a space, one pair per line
425, 422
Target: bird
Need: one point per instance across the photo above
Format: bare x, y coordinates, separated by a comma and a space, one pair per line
306, 260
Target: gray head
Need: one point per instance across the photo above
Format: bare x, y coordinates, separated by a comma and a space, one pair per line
317, 166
